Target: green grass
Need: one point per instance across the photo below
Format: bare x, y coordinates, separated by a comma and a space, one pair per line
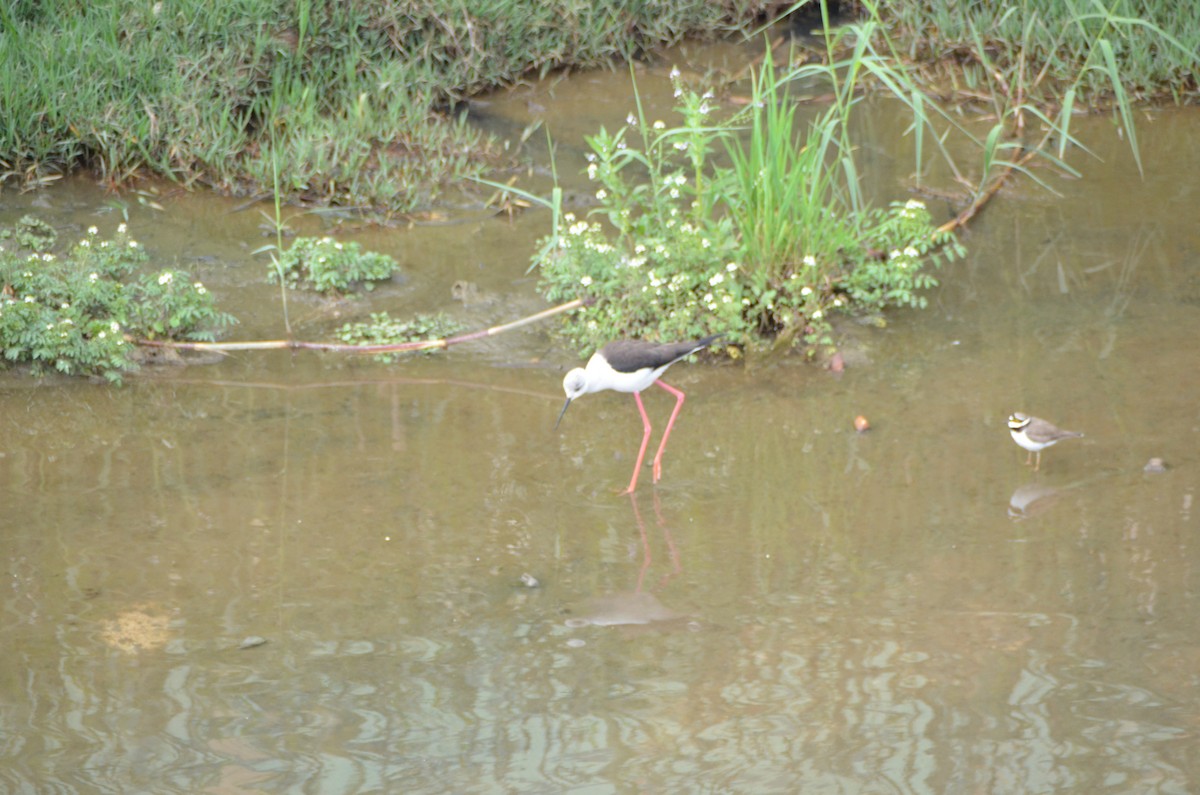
362, 98
358, 98
1037, 49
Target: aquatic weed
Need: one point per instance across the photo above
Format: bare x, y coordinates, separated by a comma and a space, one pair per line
78, 312
329, 266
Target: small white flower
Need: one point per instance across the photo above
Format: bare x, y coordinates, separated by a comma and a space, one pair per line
914, 204
674, 72
93, 231
29, 299
816, 315
911, 252
93, 277
47, 258
810, 260
681, 146
660, 125
602, 194
199, 287
586, 281
121, 229
102, 334
631, 120
731, 267
165, 277
716, 279
84, 244
806, 291
115, 326
66, 305
338, 246
133, 244
895, 254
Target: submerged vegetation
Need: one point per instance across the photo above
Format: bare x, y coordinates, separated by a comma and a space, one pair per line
383, 329
329, 266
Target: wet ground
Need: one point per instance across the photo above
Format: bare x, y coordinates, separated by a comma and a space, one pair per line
309, 573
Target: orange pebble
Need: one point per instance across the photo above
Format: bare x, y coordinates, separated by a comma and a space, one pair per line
861, 424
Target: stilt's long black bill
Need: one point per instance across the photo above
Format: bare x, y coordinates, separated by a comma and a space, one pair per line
561, 413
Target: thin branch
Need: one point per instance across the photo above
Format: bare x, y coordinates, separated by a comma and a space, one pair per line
417, 345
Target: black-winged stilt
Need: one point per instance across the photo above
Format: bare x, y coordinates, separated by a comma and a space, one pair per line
631, 366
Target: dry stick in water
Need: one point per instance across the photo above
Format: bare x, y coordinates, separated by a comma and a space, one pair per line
983, 198
417, 345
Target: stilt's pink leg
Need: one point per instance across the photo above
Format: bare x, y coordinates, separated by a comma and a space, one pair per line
645, 440
671, 422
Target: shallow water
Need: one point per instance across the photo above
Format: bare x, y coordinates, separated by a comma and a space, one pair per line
299, 572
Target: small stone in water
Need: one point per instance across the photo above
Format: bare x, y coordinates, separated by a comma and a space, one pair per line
1155, 465
251, 642
529, 581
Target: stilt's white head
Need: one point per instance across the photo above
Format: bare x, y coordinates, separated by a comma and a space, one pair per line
575, 384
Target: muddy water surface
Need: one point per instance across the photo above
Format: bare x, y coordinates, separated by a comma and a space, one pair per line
302, 573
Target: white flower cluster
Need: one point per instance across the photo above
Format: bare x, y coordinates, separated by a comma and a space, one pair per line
913, 209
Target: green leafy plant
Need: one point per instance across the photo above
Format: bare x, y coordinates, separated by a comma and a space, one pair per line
766, 245
891, 273
78, 312
383, 329
330, 266
31, 233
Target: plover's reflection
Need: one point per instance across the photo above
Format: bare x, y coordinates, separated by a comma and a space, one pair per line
1030, 500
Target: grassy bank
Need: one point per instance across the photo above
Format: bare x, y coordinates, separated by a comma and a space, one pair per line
1043, 47
357, 99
